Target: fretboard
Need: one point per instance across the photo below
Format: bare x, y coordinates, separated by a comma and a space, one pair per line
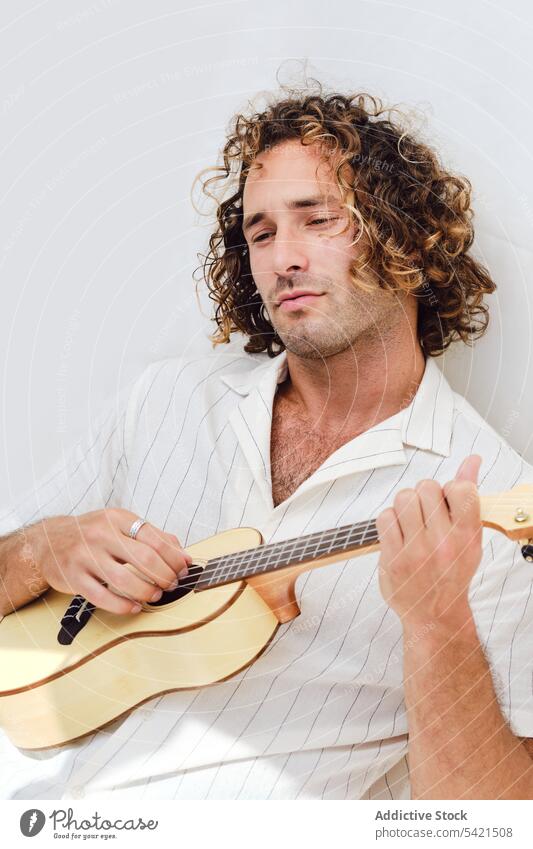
278, 555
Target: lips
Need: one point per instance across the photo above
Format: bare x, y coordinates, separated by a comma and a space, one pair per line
299, 293
289, 304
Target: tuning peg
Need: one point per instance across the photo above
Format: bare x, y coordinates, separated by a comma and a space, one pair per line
527, 550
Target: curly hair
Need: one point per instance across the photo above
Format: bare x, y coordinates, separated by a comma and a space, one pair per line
415, 215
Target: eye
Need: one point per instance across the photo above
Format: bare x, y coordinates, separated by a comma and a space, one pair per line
322, 220
314, 221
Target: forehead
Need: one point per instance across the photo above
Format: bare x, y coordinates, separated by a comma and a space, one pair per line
288, 169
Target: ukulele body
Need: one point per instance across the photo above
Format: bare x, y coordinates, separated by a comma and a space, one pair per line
52, 694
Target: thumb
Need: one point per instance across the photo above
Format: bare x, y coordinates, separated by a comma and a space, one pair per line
469, 469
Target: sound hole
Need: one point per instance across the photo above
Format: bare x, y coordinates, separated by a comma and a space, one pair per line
185, 586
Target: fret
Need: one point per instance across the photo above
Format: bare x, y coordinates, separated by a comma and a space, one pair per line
257, 563
320, 542
348, 540
371, 527
218, 568
302, 555
333, 541
297, 541
263, 556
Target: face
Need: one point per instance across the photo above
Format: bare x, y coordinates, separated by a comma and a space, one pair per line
292, 222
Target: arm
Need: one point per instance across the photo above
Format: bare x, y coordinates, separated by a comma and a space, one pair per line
87, 555
460, 746
66, 531
21, 580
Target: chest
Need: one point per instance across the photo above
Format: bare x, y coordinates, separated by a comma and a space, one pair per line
296, 451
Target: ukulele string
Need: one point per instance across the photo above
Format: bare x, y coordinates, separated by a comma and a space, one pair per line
359, 531
243, 559
357, 534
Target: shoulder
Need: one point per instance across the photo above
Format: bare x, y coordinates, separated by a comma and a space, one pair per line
201, 375
192, 368
176, 389
472, 434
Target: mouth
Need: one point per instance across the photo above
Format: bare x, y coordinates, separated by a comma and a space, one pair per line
291, 302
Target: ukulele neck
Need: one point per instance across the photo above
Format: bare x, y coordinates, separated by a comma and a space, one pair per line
269, 558
501, 511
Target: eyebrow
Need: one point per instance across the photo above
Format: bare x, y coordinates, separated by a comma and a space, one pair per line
298, 203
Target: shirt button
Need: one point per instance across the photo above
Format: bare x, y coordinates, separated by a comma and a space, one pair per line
77, 792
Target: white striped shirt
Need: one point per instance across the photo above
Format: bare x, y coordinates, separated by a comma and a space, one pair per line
320, 714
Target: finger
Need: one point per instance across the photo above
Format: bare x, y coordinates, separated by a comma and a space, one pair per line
125, 580
146, 560
409, 513
167, 547
389, 532
434, 508
95, 592
463, 501
469, 468
175, 543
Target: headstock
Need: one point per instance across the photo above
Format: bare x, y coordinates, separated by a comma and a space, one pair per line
511, 513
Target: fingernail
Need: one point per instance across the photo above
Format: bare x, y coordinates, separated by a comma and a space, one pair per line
183, 572
136, 608
157, 595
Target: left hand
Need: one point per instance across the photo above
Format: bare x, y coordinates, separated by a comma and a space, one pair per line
430, 543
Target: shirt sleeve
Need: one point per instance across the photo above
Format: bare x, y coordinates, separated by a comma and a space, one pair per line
501, 600
93, 474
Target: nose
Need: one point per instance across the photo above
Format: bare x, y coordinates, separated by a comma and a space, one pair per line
288, 255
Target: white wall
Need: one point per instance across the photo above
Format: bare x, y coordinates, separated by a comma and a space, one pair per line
109, 108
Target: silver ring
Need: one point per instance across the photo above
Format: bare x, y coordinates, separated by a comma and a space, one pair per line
136, 527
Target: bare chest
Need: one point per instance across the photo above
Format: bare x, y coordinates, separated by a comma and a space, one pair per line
296, 451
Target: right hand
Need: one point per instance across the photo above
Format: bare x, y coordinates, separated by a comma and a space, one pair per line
79, 554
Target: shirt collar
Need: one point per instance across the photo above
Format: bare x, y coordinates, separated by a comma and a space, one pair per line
426, 423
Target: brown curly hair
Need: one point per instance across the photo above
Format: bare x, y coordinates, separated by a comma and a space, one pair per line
415, 215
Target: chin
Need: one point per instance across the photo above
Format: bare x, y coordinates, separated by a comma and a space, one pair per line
310, 349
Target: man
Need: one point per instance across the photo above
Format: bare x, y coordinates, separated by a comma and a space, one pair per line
343, 253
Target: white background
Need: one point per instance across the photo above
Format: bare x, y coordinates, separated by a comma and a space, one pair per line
109, 109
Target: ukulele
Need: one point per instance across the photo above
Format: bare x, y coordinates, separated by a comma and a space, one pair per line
68, 670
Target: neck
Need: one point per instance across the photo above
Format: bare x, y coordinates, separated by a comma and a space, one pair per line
497, 511
358, 387
329, 545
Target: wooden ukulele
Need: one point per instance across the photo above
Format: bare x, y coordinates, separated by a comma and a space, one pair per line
66, 671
